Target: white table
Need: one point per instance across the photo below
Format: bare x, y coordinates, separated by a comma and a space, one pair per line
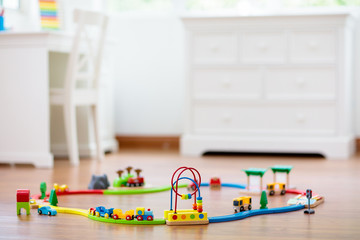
24, 95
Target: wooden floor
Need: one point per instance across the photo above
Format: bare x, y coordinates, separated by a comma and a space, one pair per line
337, 218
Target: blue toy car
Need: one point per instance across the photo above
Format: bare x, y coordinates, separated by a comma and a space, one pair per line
47, 210
101, 211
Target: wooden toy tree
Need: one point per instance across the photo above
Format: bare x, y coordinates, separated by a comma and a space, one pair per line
43, 190
53, 198
128, 169
263, 200
120, 172
138, 171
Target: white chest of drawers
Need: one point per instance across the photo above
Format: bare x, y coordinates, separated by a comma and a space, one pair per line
269, 84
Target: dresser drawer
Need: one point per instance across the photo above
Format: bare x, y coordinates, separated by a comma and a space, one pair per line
245, 83
313, 46
300, 83
263, 47
255, 119
214, 47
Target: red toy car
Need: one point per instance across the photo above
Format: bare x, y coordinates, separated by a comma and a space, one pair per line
135, 182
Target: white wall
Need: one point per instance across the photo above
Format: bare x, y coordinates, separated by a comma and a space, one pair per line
357, 80
149, 74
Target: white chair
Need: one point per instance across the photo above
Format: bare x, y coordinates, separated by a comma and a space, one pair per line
83, 65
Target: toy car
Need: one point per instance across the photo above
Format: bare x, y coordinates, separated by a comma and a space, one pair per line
62, 188
191, 187
241, 204
101, 211
215, 183
135, 182
273, 188
47, 210
118, 214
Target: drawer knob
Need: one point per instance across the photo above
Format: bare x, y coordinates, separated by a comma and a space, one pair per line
300, 117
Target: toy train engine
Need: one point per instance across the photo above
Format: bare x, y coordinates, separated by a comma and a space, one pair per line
142, 214
135, 182
241, 204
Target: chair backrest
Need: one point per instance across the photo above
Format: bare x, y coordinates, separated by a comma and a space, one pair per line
85, 58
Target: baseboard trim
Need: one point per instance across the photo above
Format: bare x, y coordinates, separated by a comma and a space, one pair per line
38, 159
85, 150
149, 142
162, 142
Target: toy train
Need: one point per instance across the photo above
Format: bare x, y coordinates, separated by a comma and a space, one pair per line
129, 180
141, 213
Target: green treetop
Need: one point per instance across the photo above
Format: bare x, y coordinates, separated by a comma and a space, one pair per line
43, 190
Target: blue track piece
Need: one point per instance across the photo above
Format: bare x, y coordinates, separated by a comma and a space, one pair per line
231, 185
246, 214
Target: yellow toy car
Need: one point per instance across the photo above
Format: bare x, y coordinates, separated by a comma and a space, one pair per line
278, 188
62, 188
128, 215
241, 204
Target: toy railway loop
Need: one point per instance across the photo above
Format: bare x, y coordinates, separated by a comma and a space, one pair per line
175, 216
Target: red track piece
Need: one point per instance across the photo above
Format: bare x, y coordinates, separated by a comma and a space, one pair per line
295, 191
37, 196
81, 192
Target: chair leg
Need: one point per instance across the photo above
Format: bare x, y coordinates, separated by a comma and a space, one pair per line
71, 134
96, 121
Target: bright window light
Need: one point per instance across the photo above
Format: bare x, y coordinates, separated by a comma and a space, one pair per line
10, 4
220, 5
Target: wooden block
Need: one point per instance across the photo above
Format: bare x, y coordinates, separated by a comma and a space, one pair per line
200, 222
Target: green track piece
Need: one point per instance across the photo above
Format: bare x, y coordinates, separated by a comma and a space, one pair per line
157, 221
140, 190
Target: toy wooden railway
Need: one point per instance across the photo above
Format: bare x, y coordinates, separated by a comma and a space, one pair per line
173, 216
